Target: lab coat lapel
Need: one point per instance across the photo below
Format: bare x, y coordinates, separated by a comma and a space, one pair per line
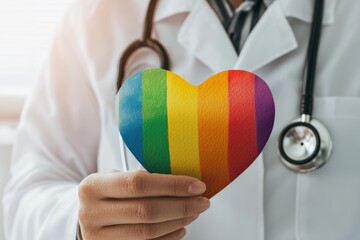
204, 36
273, 37
270, 39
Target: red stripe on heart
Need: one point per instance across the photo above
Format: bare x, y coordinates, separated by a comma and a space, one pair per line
242, 122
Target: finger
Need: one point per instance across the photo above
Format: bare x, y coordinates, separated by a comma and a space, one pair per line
145, 231
143, 184
177, 235
149, 210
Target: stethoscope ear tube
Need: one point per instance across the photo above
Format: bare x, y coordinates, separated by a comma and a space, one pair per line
137, 45
145, 42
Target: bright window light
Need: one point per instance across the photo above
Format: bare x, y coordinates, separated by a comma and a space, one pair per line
26, 31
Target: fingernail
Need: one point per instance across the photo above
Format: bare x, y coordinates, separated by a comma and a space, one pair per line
182, 233
203, 204
197, 187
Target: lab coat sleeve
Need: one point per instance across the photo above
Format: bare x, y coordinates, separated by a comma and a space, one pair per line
57, 142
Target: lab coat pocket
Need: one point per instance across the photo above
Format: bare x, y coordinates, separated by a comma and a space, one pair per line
328, 200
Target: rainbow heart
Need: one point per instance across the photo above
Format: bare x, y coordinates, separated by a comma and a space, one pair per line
213, 131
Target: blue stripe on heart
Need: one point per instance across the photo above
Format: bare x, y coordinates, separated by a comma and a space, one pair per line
131, 125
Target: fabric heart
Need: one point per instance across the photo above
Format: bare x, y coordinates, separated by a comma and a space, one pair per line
213, 131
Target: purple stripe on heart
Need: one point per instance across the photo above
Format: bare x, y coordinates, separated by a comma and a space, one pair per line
265, 112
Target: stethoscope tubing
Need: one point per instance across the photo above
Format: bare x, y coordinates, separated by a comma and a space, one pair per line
306, 105
145, 42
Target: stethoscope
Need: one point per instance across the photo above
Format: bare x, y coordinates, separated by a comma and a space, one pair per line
305, 144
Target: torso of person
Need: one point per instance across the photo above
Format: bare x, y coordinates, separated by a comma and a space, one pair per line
267, 201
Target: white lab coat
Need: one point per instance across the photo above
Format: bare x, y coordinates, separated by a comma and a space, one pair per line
68, 128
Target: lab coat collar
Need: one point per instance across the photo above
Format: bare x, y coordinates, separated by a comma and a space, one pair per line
201, 33
204, 36
297, 9
271, 38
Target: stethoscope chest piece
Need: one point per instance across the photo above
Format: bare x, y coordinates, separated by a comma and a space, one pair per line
304, 145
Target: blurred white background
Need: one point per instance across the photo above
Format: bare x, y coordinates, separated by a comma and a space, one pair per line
26, 30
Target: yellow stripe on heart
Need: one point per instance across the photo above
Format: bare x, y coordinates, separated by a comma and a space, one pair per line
182, 99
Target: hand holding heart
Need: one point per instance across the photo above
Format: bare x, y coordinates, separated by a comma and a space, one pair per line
138, 205
212, 132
